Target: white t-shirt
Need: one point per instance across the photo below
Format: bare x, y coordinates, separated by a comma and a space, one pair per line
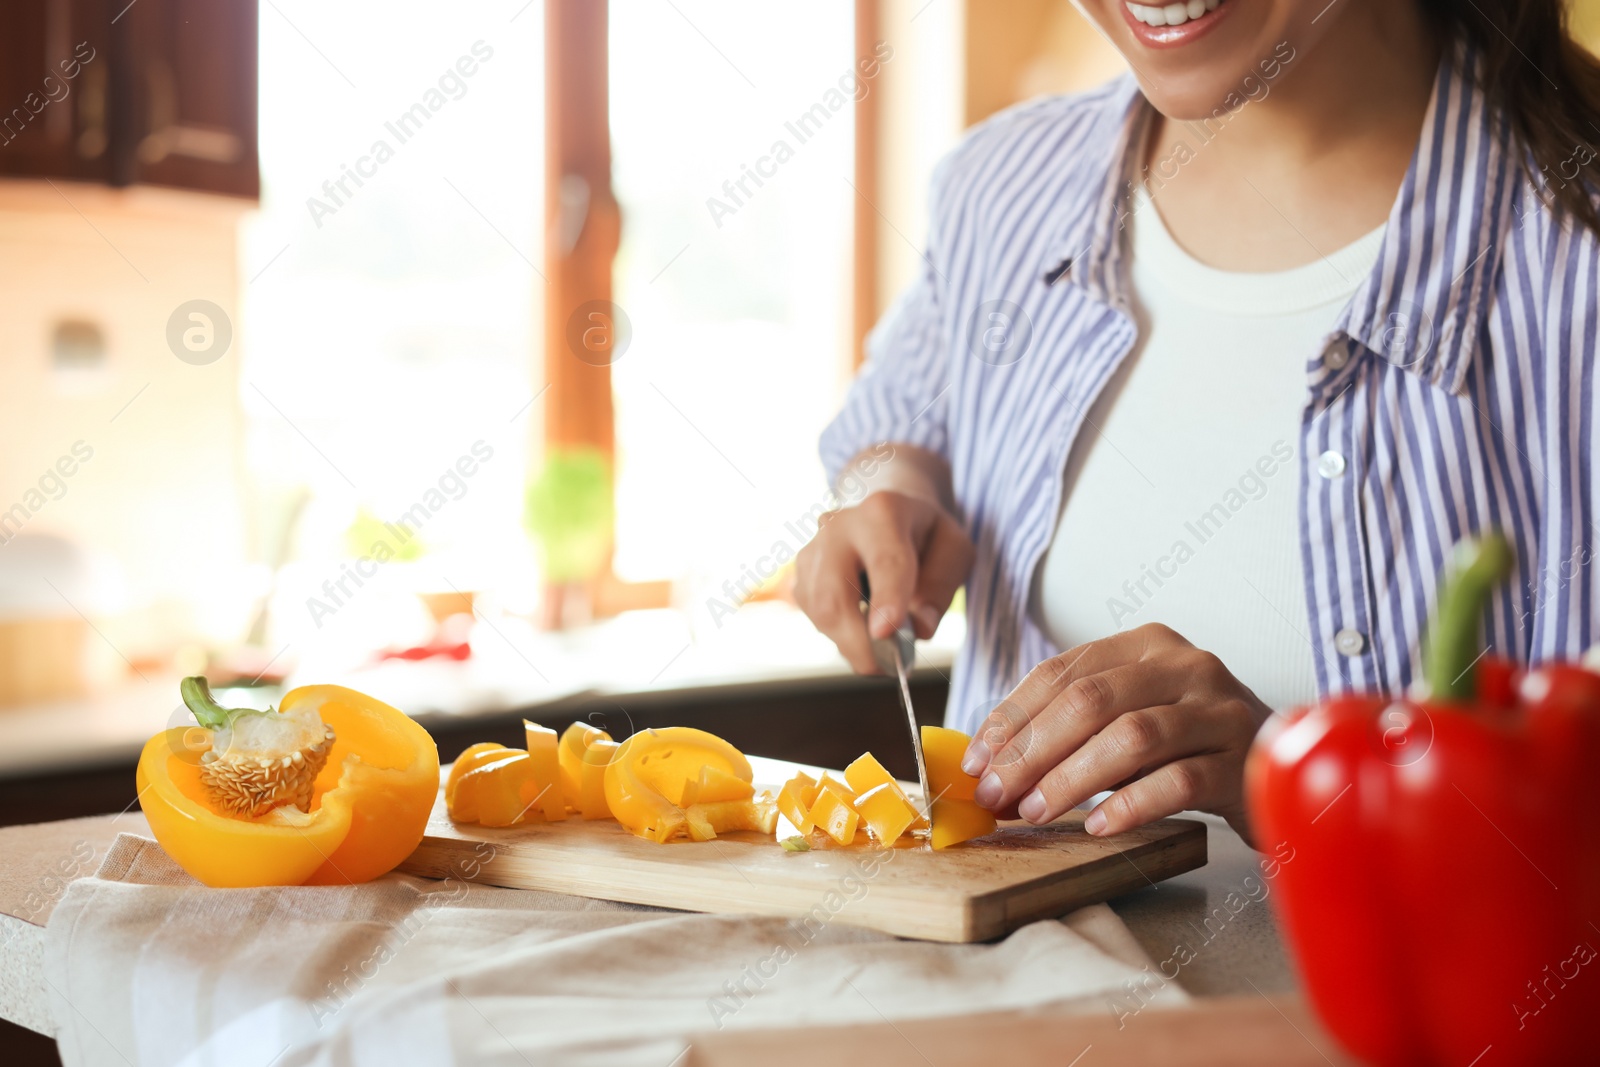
1181, 498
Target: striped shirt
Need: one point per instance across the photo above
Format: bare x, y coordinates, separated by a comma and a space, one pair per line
1454, 394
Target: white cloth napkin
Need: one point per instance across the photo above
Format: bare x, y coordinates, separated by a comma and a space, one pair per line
148, 967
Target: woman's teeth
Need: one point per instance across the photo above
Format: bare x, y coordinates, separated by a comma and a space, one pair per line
1172, 14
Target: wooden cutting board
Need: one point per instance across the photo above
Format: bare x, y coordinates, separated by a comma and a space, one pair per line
973, 892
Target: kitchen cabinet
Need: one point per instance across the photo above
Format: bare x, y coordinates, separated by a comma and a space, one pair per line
159, 92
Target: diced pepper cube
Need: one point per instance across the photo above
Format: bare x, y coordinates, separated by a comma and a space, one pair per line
546, 770
887, 812
795, 800
831, 784
866, 773
955, 821
834, 816
942, 750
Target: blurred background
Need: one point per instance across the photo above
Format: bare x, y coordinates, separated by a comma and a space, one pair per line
473, 355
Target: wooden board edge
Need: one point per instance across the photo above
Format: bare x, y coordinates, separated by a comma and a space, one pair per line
998, 913
932, 919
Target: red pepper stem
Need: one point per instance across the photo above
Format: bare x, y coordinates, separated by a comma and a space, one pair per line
1479, 564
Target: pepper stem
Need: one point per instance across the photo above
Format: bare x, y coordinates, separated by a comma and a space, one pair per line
198, 699
1478, 564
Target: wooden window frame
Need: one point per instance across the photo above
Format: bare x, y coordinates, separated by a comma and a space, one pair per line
580, 252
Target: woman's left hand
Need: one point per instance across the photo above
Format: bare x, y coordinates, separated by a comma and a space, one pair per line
1143, 712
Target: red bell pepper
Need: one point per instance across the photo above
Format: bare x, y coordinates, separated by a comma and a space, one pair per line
1443, 900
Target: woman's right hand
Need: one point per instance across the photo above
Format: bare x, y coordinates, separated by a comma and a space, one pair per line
914, 553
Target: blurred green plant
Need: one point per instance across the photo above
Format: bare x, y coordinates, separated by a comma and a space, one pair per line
569, 511
367, 530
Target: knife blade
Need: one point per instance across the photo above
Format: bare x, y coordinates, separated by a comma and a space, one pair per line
905, 640
899, 653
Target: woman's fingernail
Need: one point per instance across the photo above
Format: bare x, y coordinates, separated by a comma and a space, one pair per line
1096, 822
976, 759
928, 616
989, 791
1032, 807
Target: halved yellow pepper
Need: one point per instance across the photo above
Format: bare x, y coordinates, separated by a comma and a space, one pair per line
369, 804
646, 779
887, 812
546, 769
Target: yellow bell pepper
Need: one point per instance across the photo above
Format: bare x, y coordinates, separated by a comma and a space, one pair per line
368, 804
646, 780
575, 741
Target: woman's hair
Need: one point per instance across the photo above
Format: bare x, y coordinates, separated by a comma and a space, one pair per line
1545, 83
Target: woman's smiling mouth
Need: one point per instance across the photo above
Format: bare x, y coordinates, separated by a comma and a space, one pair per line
1174, 24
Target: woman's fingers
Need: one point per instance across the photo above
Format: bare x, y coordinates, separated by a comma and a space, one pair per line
1179, 786
1060, 681
884, 537
828, 576
1130, 744
946, 559
1082, 710
880, 529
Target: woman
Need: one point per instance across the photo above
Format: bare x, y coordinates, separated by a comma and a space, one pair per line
1207, 371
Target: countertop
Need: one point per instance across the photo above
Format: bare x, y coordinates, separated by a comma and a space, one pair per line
632, 660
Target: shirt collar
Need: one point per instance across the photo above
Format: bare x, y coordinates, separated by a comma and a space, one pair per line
1427, 297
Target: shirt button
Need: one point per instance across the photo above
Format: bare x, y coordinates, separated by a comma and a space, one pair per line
1330, 464
1350, 642
1338, 356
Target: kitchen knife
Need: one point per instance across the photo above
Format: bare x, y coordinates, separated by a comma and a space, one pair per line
896, 655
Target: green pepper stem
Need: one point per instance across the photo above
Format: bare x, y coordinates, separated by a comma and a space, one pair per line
1478, 565
198, 699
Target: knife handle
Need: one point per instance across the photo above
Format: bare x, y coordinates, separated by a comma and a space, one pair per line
883, 649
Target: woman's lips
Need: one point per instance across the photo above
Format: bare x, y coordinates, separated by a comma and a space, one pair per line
1173, 24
